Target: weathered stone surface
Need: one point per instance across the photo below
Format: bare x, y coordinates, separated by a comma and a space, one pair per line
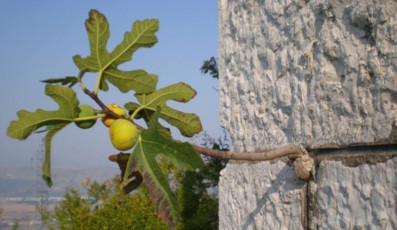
269, 198
317, 73
362, 197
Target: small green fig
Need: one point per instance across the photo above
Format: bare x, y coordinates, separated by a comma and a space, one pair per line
123, 134
86, 111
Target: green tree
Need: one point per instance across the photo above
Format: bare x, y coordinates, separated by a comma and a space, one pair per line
210, 67
197, 194
107, 207
15, 225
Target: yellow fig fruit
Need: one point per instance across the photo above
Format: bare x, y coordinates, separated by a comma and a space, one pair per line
107, 121
123, 134
86, 111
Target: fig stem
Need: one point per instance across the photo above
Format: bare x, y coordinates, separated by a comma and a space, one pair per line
136, 112
98, 82
81, 84
89, 117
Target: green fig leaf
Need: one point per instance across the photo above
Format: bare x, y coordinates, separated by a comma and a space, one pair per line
29, 122
149, 147
100, 60
46, 167
188, 124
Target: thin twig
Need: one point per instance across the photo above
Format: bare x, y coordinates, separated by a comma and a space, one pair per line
289, 150
303, 163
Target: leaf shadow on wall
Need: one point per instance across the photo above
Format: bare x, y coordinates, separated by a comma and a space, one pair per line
284, 185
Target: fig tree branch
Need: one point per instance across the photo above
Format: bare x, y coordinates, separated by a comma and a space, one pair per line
292, 151
303, 163
289, 150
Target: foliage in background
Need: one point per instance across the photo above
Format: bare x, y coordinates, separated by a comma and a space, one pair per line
210, 67
198, 192
106, 207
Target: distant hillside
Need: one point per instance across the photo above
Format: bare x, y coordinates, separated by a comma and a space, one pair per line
22, 181
16, 187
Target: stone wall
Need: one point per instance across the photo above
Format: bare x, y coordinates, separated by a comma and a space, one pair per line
360, 197
322, 74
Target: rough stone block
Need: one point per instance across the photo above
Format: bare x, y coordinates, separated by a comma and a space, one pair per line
361, 197
260, 195
318, 73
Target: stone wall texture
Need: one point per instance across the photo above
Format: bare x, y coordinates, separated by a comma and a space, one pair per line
322, 74
260, 196
317, 73
361, 197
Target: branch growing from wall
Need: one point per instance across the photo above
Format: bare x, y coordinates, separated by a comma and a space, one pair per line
303, 163
289, 150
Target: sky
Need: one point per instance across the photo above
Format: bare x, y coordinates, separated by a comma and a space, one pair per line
39, 38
